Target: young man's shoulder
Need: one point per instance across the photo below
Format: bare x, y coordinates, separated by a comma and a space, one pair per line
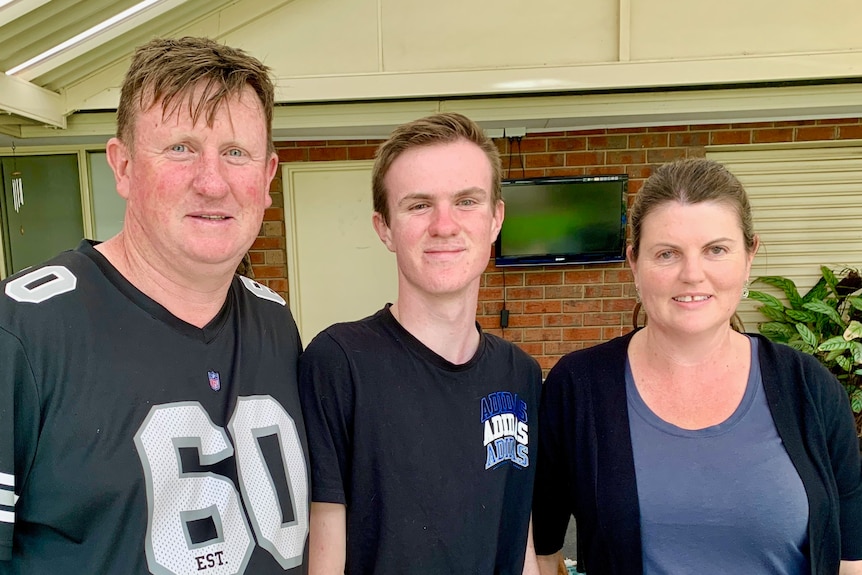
357, 331
500, 345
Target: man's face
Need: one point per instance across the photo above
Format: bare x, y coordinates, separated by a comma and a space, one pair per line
195, 193
442, 219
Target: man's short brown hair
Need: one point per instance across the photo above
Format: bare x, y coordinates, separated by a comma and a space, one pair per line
442, 128
169, 70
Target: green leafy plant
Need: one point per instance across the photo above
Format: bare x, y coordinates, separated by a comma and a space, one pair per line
826, 322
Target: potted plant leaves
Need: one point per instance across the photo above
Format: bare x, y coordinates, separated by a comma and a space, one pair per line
825, 322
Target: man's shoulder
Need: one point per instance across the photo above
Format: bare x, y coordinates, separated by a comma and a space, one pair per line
73, 259
55, 282
257, 293
38, 305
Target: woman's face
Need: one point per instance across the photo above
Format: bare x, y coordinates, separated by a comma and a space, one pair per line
691, 267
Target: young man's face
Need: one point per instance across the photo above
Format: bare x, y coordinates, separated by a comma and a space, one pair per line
442, 219
196, 193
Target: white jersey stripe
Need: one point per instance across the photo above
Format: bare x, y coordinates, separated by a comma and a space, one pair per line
7, 480
7, 498
7, 517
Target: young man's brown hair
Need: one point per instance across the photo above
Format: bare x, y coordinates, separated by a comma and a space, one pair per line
442, 128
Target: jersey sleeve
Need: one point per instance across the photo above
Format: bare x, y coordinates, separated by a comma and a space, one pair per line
327, 397
551, 513
18, 431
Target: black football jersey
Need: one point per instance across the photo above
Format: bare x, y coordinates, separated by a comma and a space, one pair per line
133, 442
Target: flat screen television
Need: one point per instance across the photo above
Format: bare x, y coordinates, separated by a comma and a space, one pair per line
570, 220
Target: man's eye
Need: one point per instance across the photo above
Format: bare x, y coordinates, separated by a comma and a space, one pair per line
467, 202
235, 153
178, 148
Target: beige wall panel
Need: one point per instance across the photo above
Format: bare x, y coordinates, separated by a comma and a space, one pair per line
336, 50
294, 38
311, 37
682, 29
338, 269
454, 34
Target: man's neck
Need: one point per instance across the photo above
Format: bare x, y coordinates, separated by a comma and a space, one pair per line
195, 300
446, 326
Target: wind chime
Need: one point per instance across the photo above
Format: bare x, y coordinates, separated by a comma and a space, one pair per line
17, 183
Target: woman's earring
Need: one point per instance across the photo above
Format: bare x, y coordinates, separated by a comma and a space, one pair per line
637, 294
746, 288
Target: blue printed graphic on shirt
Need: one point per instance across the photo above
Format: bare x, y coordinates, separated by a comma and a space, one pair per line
504, 417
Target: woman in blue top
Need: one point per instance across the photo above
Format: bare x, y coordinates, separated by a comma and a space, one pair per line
686, 446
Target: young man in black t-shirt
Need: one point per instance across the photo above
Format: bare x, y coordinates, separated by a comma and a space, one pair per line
149, 414
421, 426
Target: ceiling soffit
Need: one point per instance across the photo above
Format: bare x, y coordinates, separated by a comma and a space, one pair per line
371, 120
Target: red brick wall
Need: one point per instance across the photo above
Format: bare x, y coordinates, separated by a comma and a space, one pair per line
555, 309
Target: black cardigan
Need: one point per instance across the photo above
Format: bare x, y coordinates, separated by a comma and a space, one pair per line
586, 467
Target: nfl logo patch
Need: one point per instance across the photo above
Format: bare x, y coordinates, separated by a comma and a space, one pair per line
215, 382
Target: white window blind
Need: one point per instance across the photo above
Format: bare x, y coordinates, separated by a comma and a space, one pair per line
806, 200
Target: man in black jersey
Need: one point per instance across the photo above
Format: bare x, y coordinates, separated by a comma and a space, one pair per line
149, 413
419, 424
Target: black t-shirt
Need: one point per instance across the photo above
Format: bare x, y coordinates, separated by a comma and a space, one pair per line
434, 461
133, 442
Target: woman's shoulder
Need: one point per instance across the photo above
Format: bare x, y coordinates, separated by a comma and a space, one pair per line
786, 370
596, 363
610, 350
779, 356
